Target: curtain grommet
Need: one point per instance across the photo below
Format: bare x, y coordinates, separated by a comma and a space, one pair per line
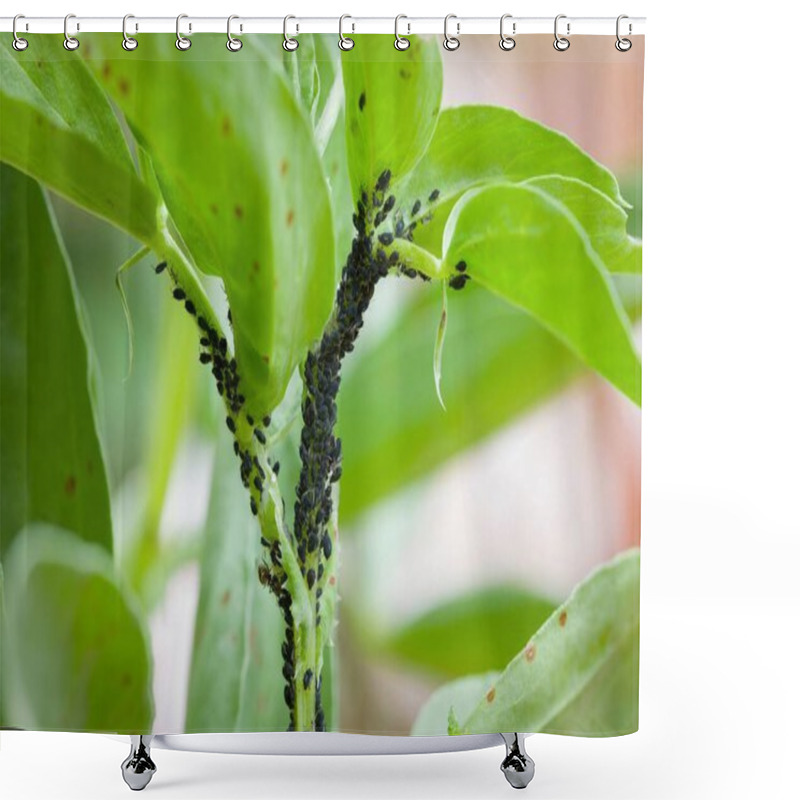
451, 43
400, 42
623, 45
181, 42
70, 42
507, 42
18, 43
561, 43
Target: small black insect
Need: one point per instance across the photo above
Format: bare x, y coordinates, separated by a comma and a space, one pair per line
231, 426
327, 545
311, 578
276, 467
415, 209
190, 307
307, 678
201, 321
264, 542
461, 266
266, 421
386, 239
362, 101
260, 435
389, 204
383, 180
178, 293
205, 358
249, 420
433, 196
263, 574
204, 342
458, 281
258, 483
253, 507
160, 267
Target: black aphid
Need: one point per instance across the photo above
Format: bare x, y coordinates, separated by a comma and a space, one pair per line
250, 420
205, 358
461, 266
398, 229
231, 426
383, 180
362, 101
160, 267
201, 321
204, 342
178, 293
389, 204
386, 238
416, 207
311, 578
266, 421
190, 307
276, 467
260, 435
458, 281
253, 507
307, 678
327, 545
433, 196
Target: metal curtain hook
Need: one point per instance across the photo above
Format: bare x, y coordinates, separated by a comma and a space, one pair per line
181, 42
289, 44
128, 42
19, 44
400, 42
451, 42
233, 44
70, 42
561, 44
623, 45
507, 42
345, 42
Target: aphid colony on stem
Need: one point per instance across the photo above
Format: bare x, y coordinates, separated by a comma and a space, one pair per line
320, 448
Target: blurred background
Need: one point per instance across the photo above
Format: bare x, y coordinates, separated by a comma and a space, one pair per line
527, 481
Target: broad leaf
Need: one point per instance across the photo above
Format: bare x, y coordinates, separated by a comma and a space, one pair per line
235, 682
475, 145
478, 632
392, 427
251, 204
527, 247
455, 699
392, 104
602, 220
577, 675
51, 466
76, 655
58, 127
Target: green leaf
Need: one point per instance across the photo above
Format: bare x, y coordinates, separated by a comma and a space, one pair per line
251, 203
52, 467
577, 675
474, 145
478, 632
58, 127
451, 702
392, 428
527, 247
235, 682
602, 220
392, 104
76, 655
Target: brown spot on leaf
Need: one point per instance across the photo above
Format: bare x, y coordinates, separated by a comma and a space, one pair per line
226, 597
335, 168
238, 211
404, 73
106, 69
256, 266
284, 166
214, 209
226, 126
490, 695
289, 218
69, 485
562, 618
126, 679
124, 87
265, 359
530, 653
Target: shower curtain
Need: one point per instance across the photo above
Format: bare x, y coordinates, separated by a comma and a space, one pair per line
321, 385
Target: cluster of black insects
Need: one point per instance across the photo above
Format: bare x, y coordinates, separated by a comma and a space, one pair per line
320, 448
